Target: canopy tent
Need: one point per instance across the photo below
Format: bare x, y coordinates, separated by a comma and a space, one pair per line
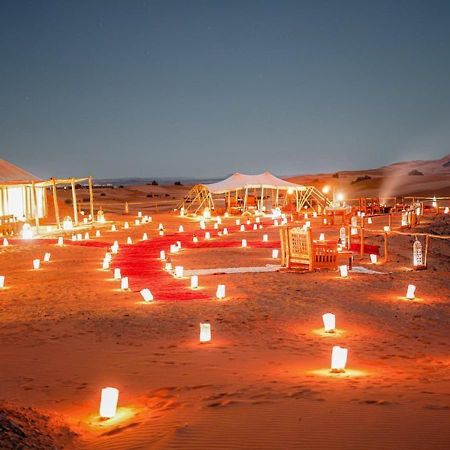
243, 193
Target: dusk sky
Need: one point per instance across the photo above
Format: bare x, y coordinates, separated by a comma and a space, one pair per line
206, 88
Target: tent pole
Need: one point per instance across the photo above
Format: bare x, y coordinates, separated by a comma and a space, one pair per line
55, 203
74, 201
35, 208
91, 199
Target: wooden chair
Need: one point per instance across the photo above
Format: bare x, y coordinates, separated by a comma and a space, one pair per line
299, 251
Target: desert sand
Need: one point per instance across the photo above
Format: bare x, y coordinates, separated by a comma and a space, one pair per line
263, 382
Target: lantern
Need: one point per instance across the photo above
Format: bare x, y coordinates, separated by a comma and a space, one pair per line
74, 237
242, 228
354, 221
369, 220
220, 293
218, 220
207, 235
410, 292
343, 236
244, 243
255, 226
86, 236
162, 255
275, 222
182, 211
27, 232
108, 402
248, 222
105, 265
306, 215
338, 359
67, 224
113, 228
47, 257
179, 245
174, 248
117, 275
5, 242
144, 237
417, 254
180, 229
353, 231
2, 281
238, 221
207, 213
139, 213
373, 258
126, 225
275, 253
60, 241
202, 225
195, 239
446, 210
257, 220
329, 322
434, 203
79, 237
160, 227
179, 271
315, 215
36, 264
146, 295
325, 221
194, 281
124, 283
404, 218
265, 237
343, 271
322, 237
227, 214
129, 240
168, 266
225, 231
97, 233
387, 228
161, 232
136, 222
205, 332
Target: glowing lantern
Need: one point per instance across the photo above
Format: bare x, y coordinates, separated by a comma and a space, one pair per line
195, 239
325, 221
353, 231
307, 224
2, 281
36, 264
338, 359
255, 226
124, 283
322, 237
257, 220
113, 228
108, 402
74, 237
174, 248
126, 225
225, 231
27, 232
67, 224
86, 236
205, 332
79, 237
340, 197
161, 232
369, 220
179, 271
387, 228
410, 292
144, 237
226, 215
265, 238
434, 203
315, 215
220, 293
242, 228
207, 235
373, 258
238, 221
179, 245
162, 255
354, 221
275, 222
446, 210
182, 211
244, 243
194, 281
218, 220
47, 257
129, 240
146, 295
180, 229
97, 233
404, 219
168, 266
117, 275
105, 265
5, 242
160, 227
417, 254
202, 225
275, 253
139, 213
85, 220
136, 222
207, 213
343, 271
329, 322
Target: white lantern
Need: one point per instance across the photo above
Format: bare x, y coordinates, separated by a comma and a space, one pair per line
2, 281
5, 242
373, 258
60, 241
410, 293
36, 264
329, 322
179, 245
144, 237
27, 232
353, 231
79, 237
97, 233
182, 211
225, 231
108, 257
257, 220
180, 229
226, 215
47, 257
325, 221
160, 227
265, 237
343, 236
216, 226
315, 215
434, 203
322, 237
242, 228
207, 236
161, 232
238, 221
248, 222
162, 255
404, 218
244, 243
218, 220
146, 295
387, 228
86, 236
343, 271
194, 281
174, 248
194, 239
417, 254
108, 402
136, 222
67, 224
354, 221
117, 275
220, 293
446, 210
202, 225
275, 253
369, 220
275, 222
105, 265
139, 213
126, 225
124, 283
207, 213
129, 240
179, 271
74, 237
205, 332
113, 228
338, 359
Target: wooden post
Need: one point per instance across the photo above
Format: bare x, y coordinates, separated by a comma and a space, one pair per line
35, 207
362, 240
74, 201
390, 221
427, 246
386, 256
55, 203
91, 199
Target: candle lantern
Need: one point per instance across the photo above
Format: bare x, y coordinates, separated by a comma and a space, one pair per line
238, 221
338, 359
242, 228
105, 265
255, 226
179, 271
207, 235
124, 283
113, 228
161, 232
248, 222
275, 222
405, 220
216, 226
144, 237
179, 245
97, 233
180, 229
67, 224
322, 237
202, 225
244, 243
2, 281
329, 322
205, 332
60, 241
108, 402
162, 255
168, 266
126, 225
387, 228
86, 236
5, 242
207, 213
369, 220
410, 292
194, 281
417, 255
36, 264
129, 240
354, 221
218, 220
79, 237
220, 293
139, 213
136, 222
257, 220
146, 295
446, 210
194, 239
343, 271
47, 257
275, 253
225, 231
325, 221
315, 215
373, 258
265, 237
117, 275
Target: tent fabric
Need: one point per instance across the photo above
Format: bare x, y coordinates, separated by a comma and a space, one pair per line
242, 181
10, 173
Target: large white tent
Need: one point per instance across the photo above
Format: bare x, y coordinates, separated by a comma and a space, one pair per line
242, 193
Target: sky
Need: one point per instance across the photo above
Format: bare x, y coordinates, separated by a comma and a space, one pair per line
201, 89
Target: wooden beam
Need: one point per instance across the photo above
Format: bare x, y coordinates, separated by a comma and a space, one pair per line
55, 204
91, 199
74, 201
35, 207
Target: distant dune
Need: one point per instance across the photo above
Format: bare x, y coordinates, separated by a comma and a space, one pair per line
421, 178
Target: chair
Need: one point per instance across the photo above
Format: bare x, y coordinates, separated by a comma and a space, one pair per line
299, 251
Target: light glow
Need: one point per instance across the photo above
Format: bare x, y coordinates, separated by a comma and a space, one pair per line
108, 402
338, 359
329, 322
220, 293
410, 292
147, 295
205, 332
